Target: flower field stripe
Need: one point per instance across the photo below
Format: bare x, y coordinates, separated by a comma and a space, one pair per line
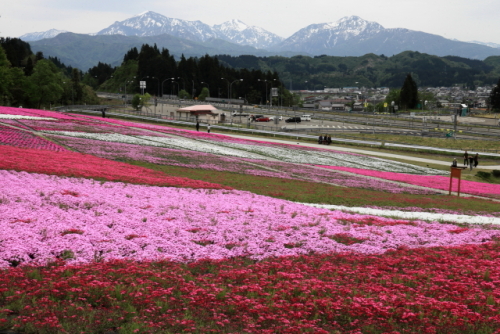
433, 290
427, 216
34, 113
14, 122
283, 152
175, 157
25, 139
166, 156
430, 181
45, 217
84, 165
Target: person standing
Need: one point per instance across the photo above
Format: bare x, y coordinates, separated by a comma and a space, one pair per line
466, 158
208, 128
197, 126
320, 139
476, 160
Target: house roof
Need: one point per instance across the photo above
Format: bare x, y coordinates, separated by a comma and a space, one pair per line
198, 108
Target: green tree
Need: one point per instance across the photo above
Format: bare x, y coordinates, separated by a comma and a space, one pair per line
409, 93
45, 85
394, 95
369, 107
184, 95
204, 94
5, 79
139, 101
494, 100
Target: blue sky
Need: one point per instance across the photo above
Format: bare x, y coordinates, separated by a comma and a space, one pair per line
464, 20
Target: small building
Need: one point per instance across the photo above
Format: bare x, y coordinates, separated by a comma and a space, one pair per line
338, 107
204, 113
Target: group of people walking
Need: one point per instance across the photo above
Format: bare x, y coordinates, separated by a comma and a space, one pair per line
326, 140
469, 160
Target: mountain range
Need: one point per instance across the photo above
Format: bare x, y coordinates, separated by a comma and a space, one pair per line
349, 36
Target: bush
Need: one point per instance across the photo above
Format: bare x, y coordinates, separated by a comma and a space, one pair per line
483, 175
496, 173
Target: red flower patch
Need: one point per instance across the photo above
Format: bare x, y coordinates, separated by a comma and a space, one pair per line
346, 239
72, 231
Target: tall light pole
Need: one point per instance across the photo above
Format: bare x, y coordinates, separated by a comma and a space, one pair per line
232, 85
175, 82
265, 81
207, 86
227, 90
162, 85
192, 91
271, 99
158, 88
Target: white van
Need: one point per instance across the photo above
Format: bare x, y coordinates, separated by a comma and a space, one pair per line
305, 117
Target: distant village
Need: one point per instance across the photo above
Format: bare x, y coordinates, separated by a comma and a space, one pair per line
357, 98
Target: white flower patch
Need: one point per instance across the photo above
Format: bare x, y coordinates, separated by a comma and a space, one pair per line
428, 216
7, 116
205, 147
332, 159
109, 137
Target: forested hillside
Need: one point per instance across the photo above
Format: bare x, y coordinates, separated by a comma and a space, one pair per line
302, 72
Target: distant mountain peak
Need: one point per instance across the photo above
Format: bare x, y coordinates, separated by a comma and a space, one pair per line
36, 36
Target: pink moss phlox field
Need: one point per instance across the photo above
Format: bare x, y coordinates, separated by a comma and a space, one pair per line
13, 122
163, 156
34, 113
328, 176
25, 139
84, 126
214, 137
85, 165
184, 158
44, 217
430, 181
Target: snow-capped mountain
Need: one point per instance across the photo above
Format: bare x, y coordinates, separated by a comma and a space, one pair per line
491, 45
153, 24
36, 36
353, 36
238, 32
327, 36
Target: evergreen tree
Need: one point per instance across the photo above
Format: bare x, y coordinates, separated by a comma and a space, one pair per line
5, 78
494, 100
409, 93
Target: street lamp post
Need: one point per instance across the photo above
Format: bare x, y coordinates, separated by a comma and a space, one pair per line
158, 87
227, 103
230, 86
162, 85
178, 88
126, 83
265, 81
192, 91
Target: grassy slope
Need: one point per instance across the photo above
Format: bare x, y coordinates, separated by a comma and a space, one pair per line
310, 192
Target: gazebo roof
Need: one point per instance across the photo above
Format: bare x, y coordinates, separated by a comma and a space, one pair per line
199, 108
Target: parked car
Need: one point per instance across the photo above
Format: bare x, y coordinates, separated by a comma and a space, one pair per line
293, 120
238, 114
305, 117
262, 119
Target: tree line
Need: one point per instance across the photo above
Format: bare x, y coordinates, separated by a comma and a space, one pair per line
31, 80
191, 78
